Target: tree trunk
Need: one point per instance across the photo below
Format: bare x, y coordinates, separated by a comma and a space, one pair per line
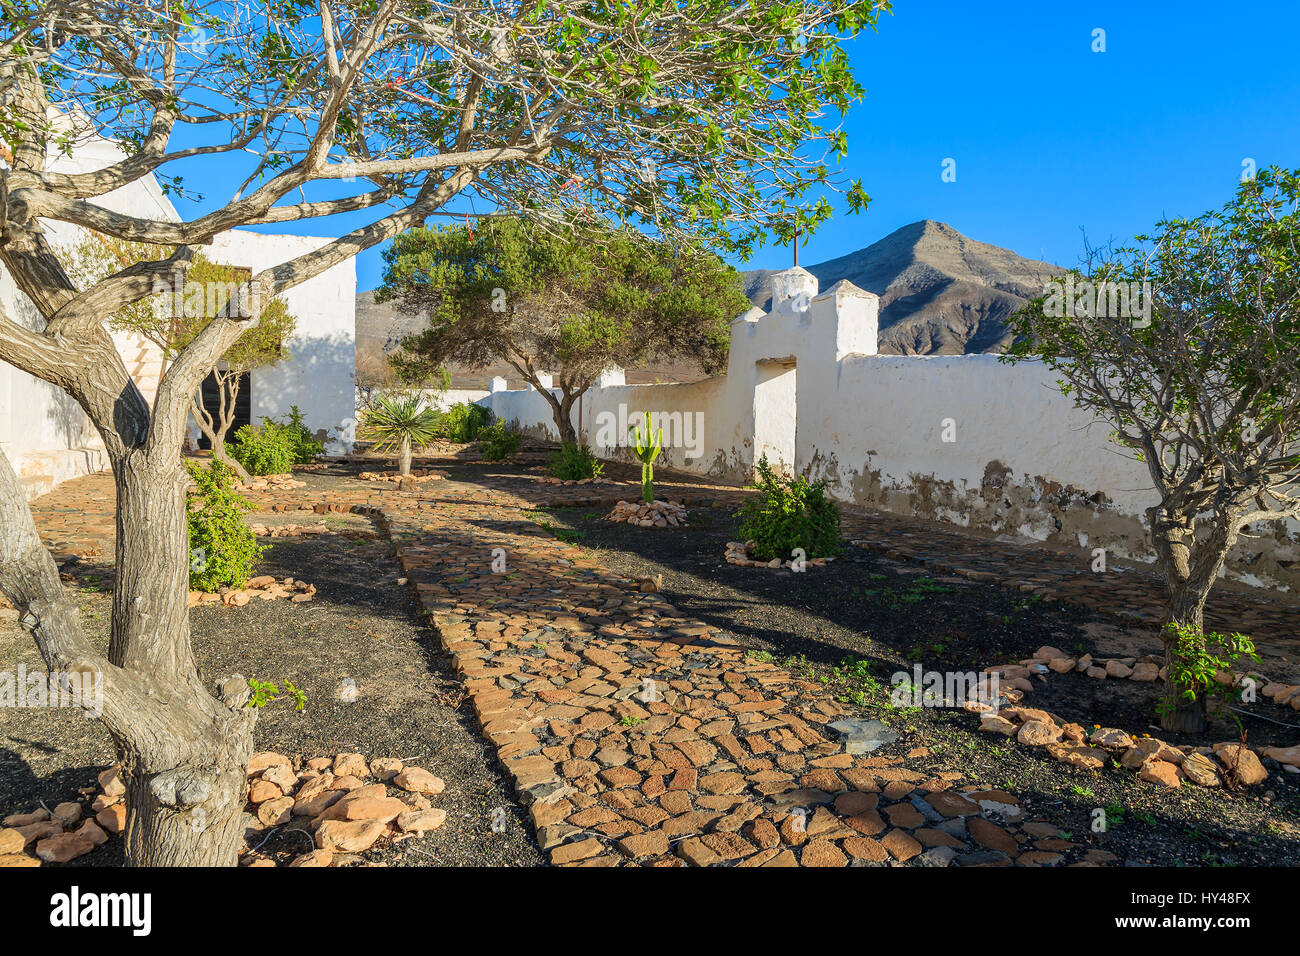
182, 750
1190, 568
159, 832
404, 457
562, 412
1186, 609
186, 784
216, 436
220, 454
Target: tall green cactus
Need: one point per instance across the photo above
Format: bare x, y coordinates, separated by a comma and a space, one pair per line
648, 453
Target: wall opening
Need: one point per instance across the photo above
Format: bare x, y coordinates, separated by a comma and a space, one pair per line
211, 398
774, 415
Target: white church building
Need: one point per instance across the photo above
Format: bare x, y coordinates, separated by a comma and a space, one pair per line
48, 438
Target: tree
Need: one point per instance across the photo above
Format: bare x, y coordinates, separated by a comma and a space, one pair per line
701, 119
183, 305
1188, 345
399, 422
573, 301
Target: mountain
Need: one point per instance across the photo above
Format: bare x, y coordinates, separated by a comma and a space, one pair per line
941, 293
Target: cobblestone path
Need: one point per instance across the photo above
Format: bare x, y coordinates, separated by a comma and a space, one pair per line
637, 735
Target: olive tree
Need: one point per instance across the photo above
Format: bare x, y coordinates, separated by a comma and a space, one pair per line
573, 301
1188, 345
699, 119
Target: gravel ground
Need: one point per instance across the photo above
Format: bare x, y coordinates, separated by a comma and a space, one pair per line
361, 626
861, 619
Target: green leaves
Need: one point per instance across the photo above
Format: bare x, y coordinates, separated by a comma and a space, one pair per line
223, 551
399, 419
789, 513
1195, 662
1205, 386
574, 298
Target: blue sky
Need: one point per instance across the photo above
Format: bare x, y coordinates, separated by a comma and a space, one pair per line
1048, 137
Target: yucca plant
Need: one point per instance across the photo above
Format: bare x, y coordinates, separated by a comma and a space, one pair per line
399, 423
647, 452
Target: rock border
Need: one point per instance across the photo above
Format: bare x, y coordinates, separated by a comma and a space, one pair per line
345, 804
739, 553
264, 586
1154, 760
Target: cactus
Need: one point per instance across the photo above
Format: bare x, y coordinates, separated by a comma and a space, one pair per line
648, 453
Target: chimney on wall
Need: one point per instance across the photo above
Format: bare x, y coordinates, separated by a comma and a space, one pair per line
856, 316
793, 290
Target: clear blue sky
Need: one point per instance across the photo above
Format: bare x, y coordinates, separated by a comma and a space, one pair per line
1048, 136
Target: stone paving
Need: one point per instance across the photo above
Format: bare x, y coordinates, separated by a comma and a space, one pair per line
635, 734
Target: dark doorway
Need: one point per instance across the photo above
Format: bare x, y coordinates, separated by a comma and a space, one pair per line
212, 405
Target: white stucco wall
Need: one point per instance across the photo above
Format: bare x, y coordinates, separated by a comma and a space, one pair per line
1022, 460
48, 438
44, 433
320, 374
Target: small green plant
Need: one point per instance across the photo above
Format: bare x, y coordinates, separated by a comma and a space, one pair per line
574, 462
627, 720
647, 452
265, 692
1194, 662
267, 449
499, 441
223, 550
399, 423
307, 448
790, 513
462, 422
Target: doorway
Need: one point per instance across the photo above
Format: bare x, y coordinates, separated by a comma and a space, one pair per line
210, 395
775, 415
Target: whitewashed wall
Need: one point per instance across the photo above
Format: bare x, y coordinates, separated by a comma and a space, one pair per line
44, 433
48, 438
320, 373
804, 384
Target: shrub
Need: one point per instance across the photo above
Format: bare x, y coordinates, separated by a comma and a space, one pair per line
575, 462
267, 449
463, 421
306, 446
500, 442
790, 513
222, 548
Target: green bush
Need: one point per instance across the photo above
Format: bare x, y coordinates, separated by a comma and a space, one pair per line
575, 462
790, 513
306, 446
463, 421
499, 441
267, 449
222, 548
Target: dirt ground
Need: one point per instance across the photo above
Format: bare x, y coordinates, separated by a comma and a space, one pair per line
360, 627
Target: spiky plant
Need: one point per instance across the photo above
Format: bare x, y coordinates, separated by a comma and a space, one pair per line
399, 423
647, 453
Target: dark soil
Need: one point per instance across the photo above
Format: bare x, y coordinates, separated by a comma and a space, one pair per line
361, 626
863, 618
